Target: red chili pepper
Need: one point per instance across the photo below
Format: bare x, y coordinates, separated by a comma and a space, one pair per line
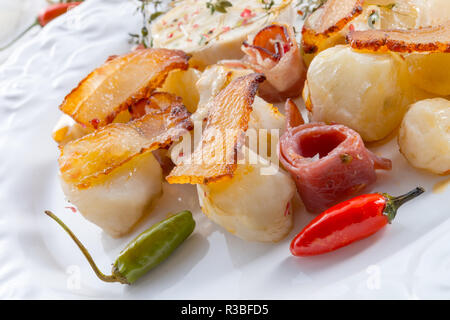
45, 16
349, 221
55, 10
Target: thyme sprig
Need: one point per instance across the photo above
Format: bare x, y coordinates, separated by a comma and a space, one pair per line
144, 38
267, 5
219, 6
309, 6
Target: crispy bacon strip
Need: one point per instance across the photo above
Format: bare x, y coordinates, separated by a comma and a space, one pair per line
158, 100
328, 20
271, 42
275, 53
85, 161
429, 39
120, 82
293, 116
228, 114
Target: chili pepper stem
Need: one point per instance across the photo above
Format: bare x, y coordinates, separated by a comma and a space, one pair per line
111, 278
393, 203
35, 23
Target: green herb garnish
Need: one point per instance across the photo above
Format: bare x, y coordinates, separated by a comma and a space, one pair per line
309, 6
267, 5
374, 17
144, 38
219, 6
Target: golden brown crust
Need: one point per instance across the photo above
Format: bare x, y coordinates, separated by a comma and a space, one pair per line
158, 100
429, 39
89, 159
328, 20
215, 157
119, 83
293, 116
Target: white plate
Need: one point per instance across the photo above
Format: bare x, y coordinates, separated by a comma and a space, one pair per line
409, 259
16, 16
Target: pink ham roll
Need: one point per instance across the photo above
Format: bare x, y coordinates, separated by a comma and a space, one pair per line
275, 53
329, 163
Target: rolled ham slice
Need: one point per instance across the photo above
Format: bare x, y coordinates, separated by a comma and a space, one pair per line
275, 53
329, 163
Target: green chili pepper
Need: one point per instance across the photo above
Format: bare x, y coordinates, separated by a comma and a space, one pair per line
146, 251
